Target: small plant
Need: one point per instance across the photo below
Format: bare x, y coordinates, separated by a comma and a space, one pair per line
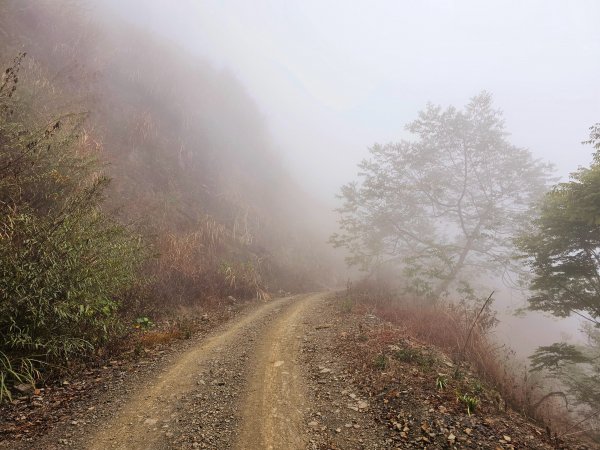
143, 323
347, 305
441, 382
414, 356
22, 370
469, 401
458, 374
380, 361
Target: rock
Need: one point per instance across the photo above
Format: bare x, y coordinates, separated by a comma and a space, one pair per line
204, 317
313, 424
362, 404
278, 363
150, 421
325, 370
25, 388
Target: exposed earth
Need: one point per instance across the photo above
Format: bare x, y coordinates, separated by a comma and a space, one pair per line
299, 372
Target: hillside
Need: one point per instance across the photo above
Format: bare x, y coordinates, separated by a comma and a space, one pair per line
183, 142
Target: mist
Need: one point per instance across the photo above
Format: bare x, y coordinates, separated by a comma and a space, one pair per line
331, 79
391, 162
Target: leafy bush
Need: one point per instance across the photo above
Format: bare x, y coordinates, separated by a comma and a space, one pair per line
64, 263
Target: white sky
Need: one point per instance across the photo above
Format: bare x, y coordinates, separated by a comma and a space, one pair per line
334, 77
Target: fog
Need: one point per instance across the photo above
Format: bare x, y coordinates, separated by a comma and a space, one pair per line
333, 78
389, 167
329, 80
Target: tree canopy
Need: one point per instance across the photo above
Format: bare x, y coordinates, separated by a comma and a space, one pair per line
563, 245
562, 248
444, 204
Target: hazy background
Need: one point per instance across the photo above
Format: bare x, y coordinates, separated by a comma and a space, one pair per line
332, 78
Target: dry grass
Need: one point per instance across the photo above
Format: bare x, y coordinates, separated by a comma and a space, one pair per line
447, 326
154, 338
197, 266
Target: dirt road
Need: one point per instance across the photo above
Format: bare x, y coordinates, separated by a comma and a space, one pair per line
239, 388
300, 372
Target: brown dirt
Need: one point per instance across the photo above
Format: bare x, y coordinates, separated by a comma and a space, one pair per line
293, 373
224, 390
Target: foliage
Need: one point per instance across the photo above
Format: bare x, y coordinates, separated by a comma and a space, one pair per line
441, 382
244, 279
63, 262
414, 356
444, 203
17, 370
469, 401
562, 247
143, 323
577, 366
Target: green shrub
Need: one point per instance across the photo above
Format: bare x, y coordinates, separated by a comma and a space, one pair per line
64, 263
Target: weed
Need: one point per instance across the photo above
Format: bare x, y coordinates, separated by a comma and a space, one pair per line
414, 356
380, 362
143, 323
441, 382
469, 401
477, 387
20, 370
185, 327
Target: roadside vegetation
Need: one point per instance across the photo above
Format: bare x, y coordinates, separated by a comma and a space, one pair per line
133, 191
66, 265
433, 220
130, 205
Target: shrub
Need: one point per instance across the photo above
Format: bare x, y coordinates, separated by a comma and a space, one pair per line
64, 263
